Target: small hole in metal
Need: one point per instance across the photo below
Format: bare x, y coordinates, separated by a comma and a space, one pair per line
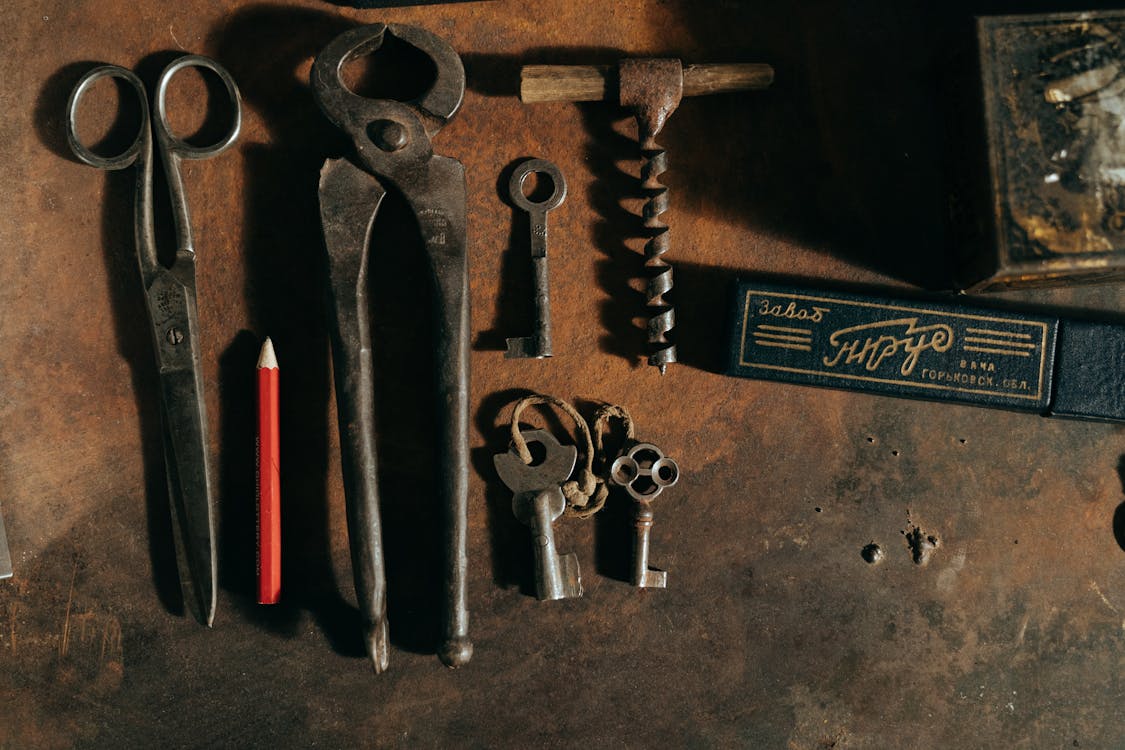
198, 107
624, 471
537, 187
538, 452
108, 117
396, 70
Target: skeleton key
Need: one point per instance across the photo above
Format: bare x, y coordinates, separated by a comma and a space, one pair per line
537, 503
644, 471
538, 345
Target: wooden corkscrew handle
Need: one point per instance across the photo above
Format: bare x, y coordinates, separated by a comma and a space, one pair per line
591, 83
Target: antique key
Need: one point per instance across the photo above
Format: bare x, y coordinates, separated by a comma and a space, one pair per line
538, 345
537, 503
644, 471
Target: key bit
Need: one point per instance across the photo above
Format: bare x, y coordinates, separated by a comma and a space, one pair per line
537, 346
644, 471
538, 501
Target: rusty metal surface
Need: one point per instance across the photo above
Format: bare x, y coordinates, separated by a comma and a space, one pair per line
774, 630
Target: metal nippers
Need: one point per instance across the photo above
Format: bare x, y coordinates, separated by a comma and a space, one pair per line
392, 151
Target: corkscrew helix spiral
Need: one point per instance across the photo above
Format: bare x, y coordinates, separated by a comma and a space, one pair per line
662, 315
652, 88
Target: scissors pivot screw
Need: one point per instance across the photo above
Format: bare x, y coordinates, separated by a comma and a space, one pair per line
389, 135
174, 336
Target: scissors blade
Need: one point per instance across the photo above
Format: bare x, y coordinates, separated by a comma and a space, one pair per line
175, 322
189, 489
5, 556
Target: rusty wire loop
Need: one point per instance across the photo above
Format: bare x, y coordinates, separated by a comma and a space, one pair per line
585, 495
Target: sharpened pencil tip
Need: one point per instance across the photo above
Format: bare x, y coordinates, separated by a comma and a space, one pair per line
267, 359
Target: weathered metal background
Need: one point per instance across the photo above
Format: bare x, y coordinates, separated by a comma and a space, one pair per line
773, 632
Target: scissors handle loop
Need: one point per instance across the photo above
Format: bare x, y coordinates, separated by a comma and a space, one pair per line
169, 139
129, 155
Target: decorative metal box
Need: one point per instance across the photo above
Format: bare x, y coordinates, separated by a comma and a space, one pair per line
1054, 119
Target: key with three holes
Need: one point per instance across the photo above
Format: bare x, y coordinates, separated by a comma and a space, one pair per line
538, 345
537, 503
644, 471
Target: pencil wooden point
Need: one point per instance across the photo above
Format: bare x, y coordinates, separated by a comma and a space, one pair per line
267, 358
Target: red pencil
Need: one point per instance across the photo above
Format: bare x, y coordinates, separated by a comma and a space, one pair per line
268, 479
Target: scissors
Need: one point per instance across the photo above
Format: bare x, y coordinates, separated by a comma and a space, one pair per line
392, 151
172, 308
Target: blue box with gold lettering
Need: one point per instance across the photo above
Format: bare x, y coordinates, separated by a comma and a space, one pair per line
895, 347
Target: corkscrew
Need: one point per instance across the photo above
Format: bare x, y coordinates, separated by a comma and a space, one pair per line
652, 89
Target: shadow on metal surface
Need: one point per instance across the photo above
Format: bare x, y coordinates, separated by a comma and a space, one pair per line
856, 147
404, 364
285, 289
379, 4
237, 496
613, 525
50, 110
844, 153
284, 294
492, 75
618, 233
